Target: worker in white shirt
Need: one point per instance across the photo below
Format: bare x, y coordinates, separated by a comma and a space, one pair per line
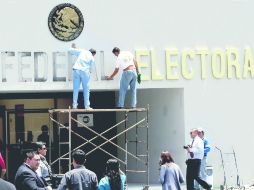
125, 61
195, 153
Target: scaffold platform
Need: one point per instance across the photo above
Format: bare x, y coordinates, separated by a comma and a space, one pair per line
97, 110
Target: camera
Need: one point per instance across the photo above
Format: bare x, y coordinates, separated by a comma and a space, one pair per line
187, 146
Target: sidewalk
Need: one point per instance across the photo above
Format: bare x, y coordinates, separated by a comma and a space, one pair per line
135, 186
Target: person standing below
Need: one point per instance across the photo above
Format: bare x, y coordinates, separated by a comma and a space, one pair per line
44, 170
81, 73
2, 166
2, 163
170, 174
114, 179
79, 178
207, 149
26, 177
195, 153
125, 60
44, 136
5, 185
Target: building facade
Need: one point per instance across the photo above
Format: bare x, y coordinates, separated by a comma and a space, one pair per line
196, 60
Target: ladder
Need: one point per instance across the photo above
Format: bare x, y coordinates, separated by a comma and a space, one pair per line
64, 144
137, 141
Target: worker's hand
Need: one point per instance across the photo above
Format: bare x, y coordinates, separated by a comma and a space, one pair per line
109, 78
73, 45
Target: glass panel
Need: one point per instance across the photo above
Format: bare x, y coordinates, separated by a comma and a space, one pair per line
33, 123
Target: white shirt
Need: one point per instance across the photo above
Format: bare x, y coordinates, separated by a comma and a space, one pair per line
85, 60
38, 171
124, 60
197, 148
42, 170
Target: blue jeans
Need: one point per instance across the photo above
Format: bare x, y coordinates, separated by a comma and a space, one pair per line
78, 77
129, 77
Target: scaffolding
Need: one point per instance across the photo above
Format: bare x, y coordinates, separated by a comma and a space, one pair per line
141, 123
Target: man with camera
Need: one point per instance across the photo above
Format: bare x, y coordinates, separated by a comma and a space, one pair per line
195, 152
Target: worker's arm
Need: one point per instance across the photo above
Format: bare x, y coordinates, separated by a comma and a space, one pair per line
74, 51
113, 74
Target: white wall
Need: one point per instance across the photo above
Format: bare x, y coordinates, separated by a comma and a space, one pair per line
131, 25
224, 110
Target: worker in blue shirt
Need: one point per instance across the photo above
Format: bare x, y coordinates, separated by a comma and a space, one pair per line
81, 73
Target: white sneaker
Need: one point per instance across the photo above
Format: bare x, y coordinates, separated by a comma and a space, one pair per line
89, 108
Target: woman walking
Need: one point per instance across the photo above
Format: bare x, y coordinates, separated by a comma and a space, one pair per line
170, 173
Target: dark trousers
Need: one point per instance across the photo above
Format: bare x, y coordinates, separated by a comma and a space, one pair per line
192, 173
